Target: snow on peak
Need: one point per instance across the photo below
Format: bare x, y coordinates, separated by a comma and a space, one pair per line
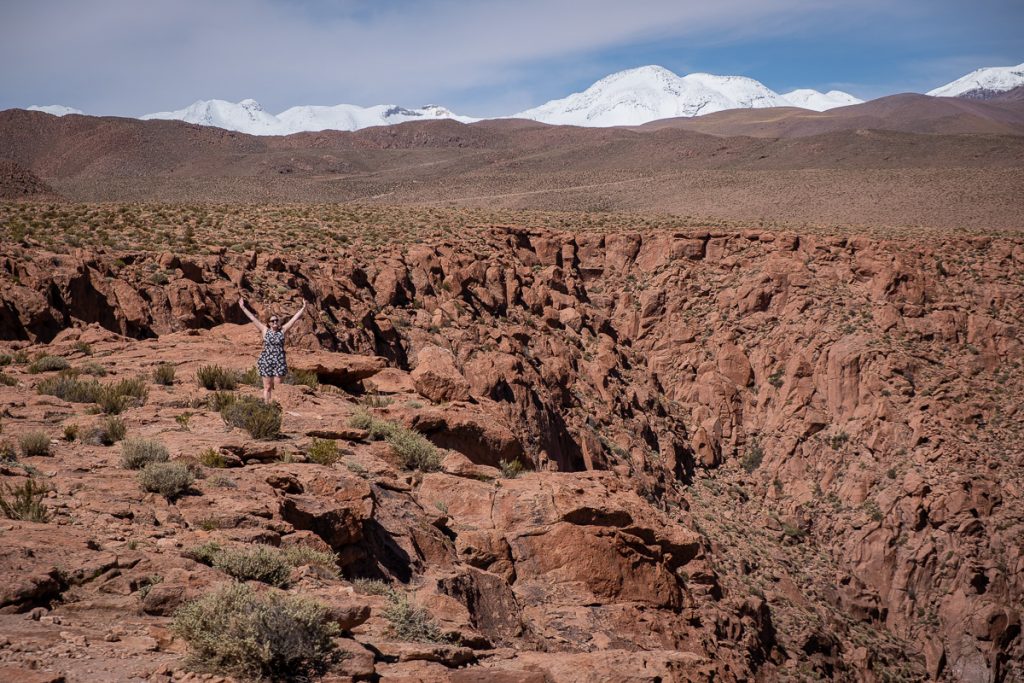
246, 116
249, 117
807, 98
648, 93
55, 109
991, 79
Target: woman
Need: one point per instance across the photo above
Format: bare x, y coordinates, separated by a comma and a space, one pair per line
271, 363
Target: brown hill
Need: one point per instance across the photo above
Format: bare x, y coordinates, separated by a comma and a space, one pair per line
17, 182
848, 173
908, 113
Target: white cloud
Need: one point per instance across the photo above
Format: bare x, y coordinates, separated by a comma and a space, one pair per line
129, 57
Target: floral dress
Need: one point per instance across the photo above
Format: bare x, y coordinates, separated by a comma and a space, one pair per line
272, 361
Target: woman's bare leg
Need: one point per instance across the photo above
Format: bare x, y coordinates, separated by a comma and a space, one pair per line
268, 388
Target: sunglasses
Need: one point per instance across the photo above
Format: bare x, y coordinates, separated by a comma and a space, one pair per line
273, 320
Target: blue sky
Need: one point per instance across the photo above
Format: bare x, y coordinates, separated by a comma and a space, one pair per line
483, 58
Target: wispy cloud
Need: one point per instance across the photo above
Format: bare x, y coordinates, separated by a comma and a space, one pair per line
128, 57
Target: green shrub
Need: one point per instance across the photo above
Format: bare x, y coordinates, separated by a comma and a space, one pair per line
836, 441
21, 357
510, 469
48, 364
183, 420
70, 432
214, 377
411, 623
254, 563
219, 400
169, 479
212, 458
84, 347
414, 451
106, 432
34, 443
70, 389
115, 398
6, 359
323, 451
305, 377
752, 457
299, 555
137, 453
262, 420
24, 502
378, 428
164, 374
7, 380
205, 553
237, 631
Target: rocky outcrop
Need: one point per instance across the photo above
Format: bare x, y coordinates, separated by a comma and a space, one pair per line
852, 394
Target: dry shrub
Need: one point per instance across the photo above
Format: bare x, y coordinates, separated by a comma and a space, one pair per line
137, 453
262, 420
169, 479
24, 502
214, 377
34, 443
259, 635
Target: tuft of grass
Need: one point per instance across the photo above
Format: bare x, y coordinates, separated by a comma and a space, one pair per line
262, 420
214, 377
414, 451
238, 631
70, 432
251, 377
211, 457
48, 364
304, 377
219, 400
70, 389
163, 374
183, 420
6, 359
510, 469
7, 380
24, 502
84, 347
169, 479
411, 623
137, 453
34, 443
323, 451
373, 587
95, 369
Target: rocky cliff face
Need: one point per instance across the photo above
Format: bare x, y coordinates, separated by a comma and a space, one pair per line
795, 454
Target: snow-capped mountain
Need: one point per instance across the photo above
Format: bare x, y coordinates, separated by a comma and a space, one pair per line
994, 79
806, 98
648, 93
55, 109
249, 117
246, 116
352, 117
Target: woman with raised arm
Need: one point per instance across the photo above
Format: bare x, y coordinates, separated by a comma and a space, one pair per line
271, 364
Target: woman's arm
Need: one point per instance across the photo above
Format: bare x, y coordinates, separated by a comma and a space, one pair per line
288, 325
250, 316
